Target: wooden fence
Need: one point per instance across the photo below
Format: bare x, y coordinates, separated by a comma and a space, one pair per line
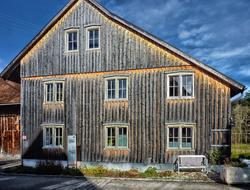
10, 134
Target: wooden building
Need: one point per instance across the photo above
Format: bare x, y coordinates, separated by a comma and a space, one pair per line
9, 118
128, 96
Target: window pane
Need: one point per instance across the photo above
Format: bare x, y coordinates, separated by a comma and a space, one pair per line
96, 34
74, 46
187, 85
49, 91
174, 86
58, 136
91, 43
91, 34
187, 137
122, 88
111, 136
96, 43
59, 92
70, 36
111, 89
122, 138
74, 36
93, 38
72, 41
48, 137
173, 137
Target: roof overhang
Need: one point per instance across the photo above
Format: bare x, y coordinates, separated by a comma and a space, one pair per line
10, 104
235, 86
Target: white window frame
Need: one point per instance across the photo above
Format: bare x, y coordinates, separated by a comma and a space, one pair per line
116, 88
180, 126
66, 40
87, 37
53, 127
116, 126
54, 82
180, 74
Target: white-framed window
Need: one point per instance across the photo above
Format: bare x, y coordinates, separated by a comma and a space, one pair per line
71, 40
54, 92
93, 38
180, 136
53, 136
180, 85
116, 136
116, 88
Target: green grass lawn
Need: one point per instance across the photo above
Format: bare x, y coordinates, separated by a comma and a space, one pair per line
240, 150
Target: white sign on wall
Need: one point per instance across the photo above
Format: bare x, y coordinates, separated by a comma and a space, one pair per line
72, 150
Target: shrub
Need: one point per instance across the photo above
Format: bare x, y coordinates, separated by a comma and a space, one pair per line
150, 172
49, 167
218, 156
72, 172
96, 171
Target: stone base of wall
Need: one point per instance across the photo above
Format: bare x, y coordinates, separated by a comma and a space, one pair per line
117, 166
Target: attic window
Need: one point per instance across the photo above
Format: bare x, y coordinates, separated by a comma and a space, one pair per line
93, 38
71, 40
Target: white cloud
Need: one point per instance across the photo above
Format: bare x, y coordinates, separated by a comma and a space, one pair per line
231, 52
184, 34
245, 71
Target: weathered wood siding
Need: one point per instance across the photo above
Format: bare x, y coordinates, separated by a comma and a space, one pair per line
10, 134
147, 111
120, 48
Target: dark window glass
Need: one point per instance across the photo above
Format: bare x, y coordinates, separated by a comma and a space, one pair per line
59, 92
111, 89
186, 137
111, 136
72, 41
174, 86
94, 38
122, 88
58, 136
173, 137
48, 137
49, 95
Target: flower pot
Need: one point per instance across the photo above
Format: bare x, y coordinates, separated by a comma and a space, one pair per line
235, 175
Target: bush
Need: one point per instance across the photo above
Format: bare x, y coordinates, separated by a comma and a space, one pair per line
96, 171
49, 167
72, 172
218, 156
150, 172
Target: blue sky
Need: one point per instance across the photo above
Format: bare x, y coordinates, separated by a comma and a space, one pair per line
216, 32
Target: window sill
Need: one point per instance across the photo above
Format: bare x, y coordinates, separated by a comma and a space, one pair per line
115, 148
179, 149
94, 49
180, 98
53, 103
116, 100
52, 147
71, 52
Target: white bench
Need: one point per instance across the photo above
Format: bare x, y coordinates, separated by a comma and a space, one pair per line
192, 162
